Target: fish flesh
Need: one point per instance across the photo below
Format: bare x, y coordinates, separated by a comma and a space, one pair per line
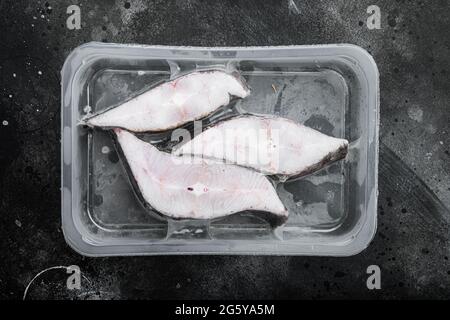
173, 103
197, 190
271, 145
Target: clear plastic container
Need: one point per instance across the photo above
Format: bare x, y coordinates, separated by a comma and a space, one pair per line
332, 88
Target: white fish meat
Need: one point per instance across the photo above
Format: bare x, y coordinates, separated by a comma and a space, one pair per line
271, 145
173, 103
197, 190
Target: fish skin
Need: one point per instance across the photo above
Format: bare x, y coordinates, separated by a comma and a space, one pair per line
196, 190
171, 104
283, 147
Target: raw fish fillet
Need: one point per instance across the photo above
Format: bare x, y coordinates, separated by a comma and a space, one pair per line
173, 103
198, 190
271, 145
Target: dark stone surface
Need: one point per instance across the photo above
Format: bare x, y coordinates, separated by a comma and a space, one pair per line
412, 243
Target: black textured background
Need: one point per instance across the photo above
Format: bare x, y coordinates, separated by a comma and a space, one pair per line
412, 243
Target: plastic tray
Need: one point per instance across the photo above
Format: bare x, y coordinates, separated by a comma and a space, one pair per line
332, 88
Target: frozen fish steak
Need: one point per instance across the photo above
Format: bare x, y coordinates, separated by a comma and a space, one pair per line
173, 103
187, 189
271, 145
